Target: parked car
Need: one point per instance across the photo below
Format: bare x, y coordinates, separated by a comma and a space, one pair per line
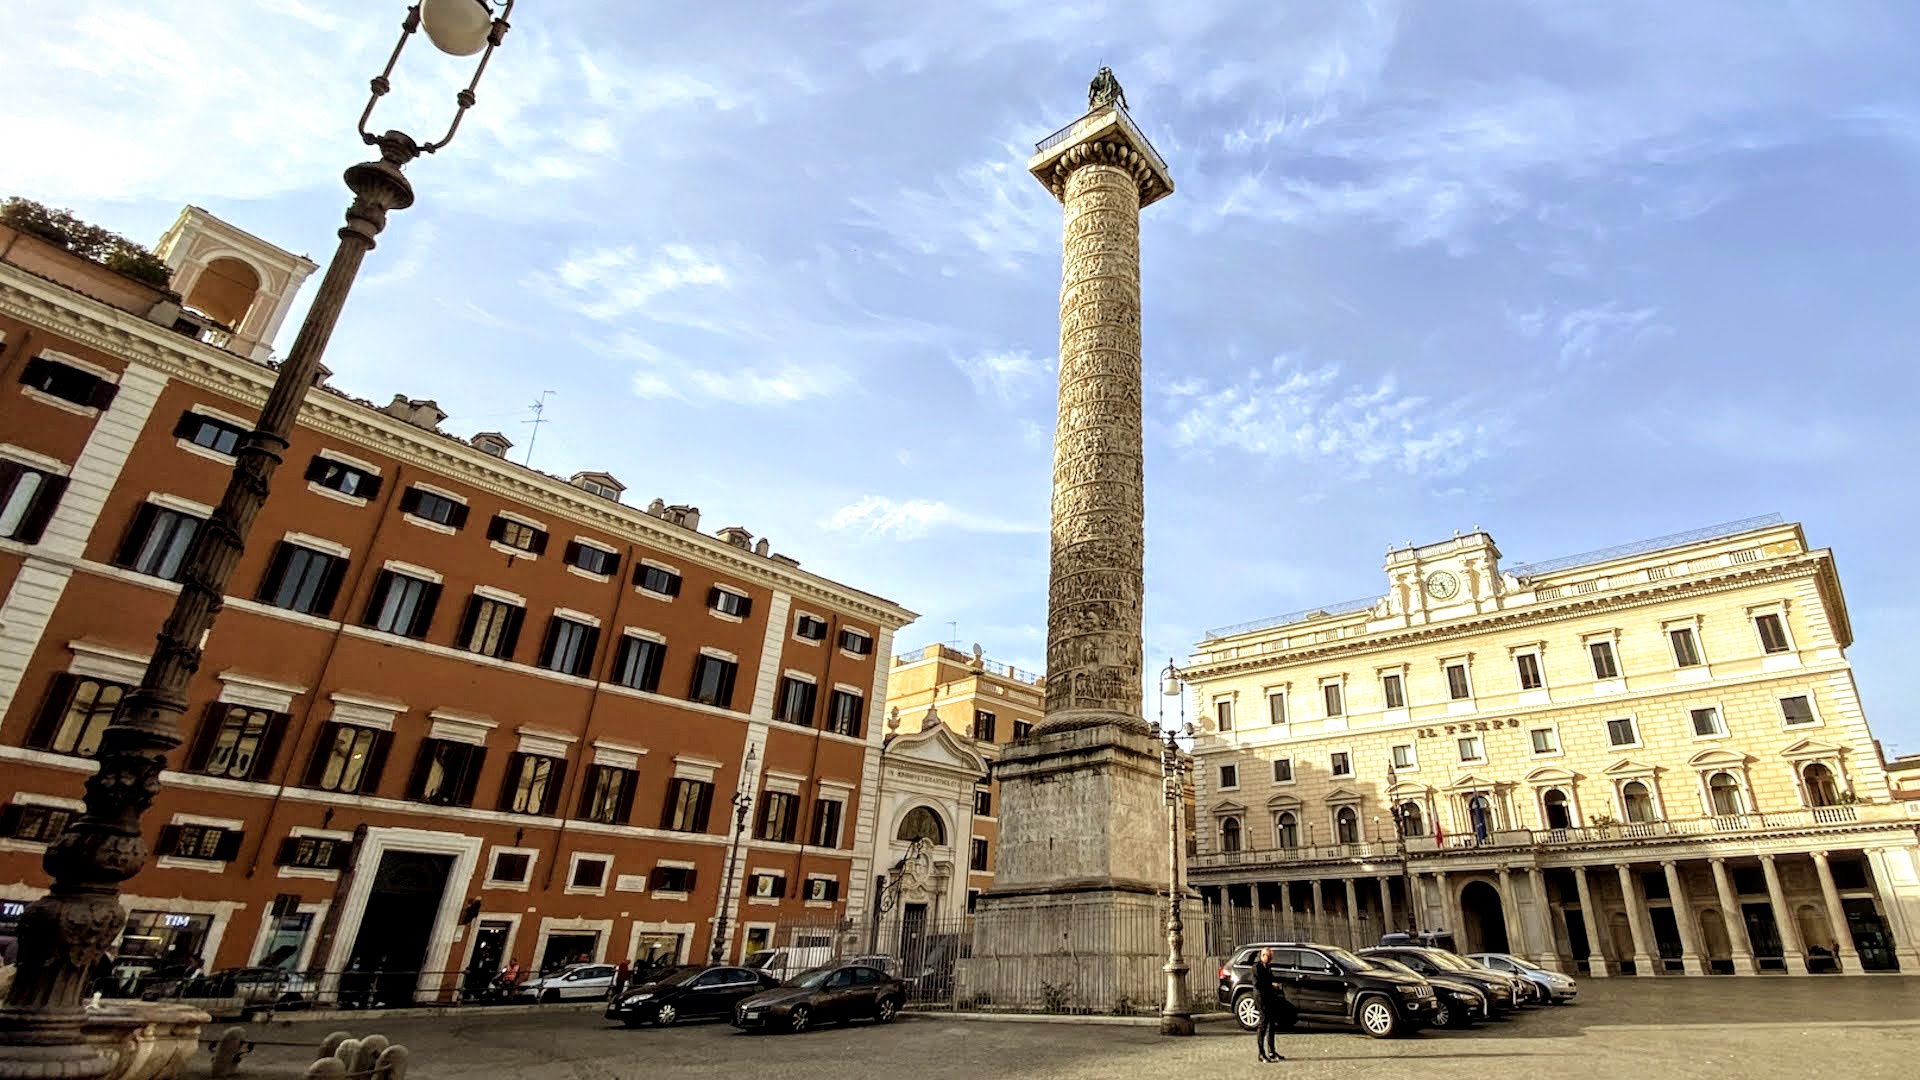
235, 991
788, 961
1430, 962
686, 993
1458, 1003
825, 994
1329, 985
571, 983
1554, 988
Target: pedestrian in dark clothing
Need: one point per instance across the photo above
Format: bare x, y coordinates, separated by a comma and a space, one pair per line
1275, 1010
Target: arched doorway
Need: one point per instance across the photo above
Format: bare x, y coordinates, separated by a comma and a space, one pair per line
1724, 792
1559, 809
1821, 789
1286, 830
1486, 921
1230, 834
1412, 823
1346, 826
1637, 799
225, 290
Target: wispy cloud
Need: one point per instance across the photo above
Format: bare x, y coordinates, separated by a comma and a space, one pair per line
1010, 375
1595, 335
988, 210
611, 283
912, 519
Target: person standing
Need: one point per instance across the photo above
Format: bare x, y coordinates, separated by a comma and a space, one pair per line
1275, 1009
620, 976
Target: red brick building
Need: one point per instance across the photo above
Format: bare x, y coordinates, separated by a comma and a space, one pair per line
455, 711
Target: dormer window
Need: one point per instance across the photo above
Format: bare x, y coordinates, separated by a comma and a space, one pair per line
492, 443
601, 484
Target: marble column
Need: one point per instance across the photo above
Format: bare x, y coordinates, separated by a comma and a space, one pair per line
1286, 903
1388, 924
1319, 903
1517, 940
1793, 951
1900, 919
1596, 924
1738, 942
1645, 961
1547, 955
1683, 920
1837, 916
1449, 906
1353, 916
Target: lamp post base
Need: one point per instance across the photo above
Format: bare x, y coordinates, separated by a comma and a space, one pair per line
1175, 1019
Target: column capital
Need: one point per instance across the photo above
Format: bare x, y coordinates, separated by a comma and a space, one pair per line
1818, 856
1766, 857
1669, 863
1717, 860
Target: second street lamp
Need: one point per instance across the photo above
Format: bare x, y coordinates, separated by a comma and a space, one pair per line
64, 933
1176, 1018
742, 802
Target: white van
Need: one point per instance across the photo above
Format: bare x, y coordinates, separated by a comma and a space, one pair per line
786, 961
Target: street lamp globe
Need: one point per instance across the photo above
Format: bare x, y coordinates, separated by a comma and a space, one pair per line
456, 27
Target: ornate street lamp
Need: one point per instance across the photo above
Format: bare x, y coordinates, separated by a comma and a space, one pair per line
1400, 847
742, 802
1175, 1018
64, 933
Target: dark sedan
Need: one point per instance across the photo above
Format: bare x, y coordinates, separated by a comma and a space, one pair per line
1431, 962
688, 992
825, 994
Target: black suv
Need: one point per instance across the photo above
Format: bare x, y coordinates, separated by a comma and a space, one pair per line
1499, 988
1330, 985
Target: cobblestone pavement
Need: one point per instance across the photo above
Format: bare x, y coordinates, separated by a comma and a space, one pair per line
1755, 1029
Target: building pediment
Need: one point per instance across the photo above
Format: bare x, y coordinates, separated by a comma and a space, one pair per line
1228, 807
1408, 789
1630, 767
1283, 802
1812, 748
1475, 782
1342, 795
1717, 759
1551, 774
940, 749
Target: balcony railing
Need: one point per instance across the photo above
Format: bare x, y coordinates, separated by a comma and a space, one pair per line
1304, 853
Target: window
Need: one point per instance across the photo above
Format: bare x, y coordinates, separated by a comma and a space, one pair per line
76, 712
302, 579
843, 713
1604, 666
779, 817
605, 491
1402, 756
1286, 830
1458, 689
158, 541
348, 759
826, 823
1773, 633
1229, 777
921, 823
1276, 708
1283, 770
591, 559
1346, 826
1686, 648
1637, 800
315, 853
1230, 834
402, 605
237, 742
569, 647
797, 698
1223, 714
1545, 740
1394, 692
656, 579
983, 802
28, 497
1470, 749
1412, 822
767, 886
588, 874
1796, 710
1724, 793
973, 900
510, 868
343, 478
857, 642
823, 890
1621, 732
517, 535
491, 627
1336, 705
1706, 723
446, 772
637, 664
1528, 666
727, 602
199, 842
1340, 763
983, 724
688, 803
68, 383
431, 506
672, 879
1559, 809
204, 431
34, 824
809, 628
712, 681
1021, 729
979, 861
1821, 788
607, 796
533, 784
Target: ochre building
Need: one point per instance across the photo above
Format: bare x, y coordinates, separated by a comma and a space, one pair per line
456, 711
1646, 759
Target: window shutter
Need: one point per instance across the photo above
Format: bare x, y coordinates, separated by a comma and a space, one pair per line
713, 597
376, 763
422, 765
269, 746
833, 889
330, 587
574, 548
656, 658
589, 645
547, 642
169, 840
673, 584
210, 722
497, 528
41, 512
340, 856
470, 780
229, 848
556, 782
369, 486
746, 606
516, 762
288, 848
467, 622
410, 500
10, 819
539, 543
59, 692
136, 534
423, 612
458, 518
101, 393
188, 423
510, 634
612, 565
658, 878
316, 468
379, 598
623, 812
276, 569
693, 878
317, 762
705, 806
726, 685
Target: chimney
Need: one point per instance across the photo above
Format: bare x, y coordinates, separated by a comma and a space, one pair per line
423, 414
762, 547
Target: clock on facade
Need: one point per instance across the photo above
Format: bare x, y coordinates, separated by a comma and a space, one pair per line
1442, 585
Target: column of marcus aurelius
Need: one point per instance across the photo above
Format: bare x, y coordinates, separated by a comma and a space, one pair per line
1073, 919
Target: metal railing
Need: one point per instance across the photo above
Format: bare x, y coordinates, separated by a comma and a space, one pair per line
1344, 607
986, 664
1643, 547
1126, 117
260, 992
1302, 853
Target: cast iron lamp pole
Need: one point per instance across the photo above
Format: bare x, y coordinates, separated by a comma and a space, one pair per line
1175, 1017
1400, 848
742, 800
64, 933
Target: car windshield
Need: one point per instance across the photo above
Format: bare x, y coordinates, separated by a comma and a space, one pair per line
679, 976
1523, 965
810, 980
1391, 965
1445, 959
1345, 959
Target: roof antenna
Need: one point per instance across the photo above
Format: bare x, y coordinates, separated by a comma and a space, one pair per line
539, 407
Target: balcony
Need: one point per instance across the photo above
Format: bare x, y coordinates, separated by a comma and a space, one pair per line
1226, 860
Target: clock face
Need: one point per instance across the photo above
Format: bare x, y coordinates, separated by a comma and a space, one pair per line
1442, 585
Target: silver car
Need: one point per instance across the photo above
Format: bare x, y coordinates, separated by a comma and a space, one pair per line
1553, 987
571, 983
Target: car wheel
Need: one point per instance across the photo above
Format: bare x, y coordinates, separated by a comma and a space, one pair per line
1246, 1010
1377, 1017
885, 1013
549, 996
799, 1018
666, 1015
1443, 1015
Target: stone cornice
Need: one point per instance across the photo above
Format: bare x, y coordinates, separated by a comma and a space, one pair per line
135, 340
1816, 564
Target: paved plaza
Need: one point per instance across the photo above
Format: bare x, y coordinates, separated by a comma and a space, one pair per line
1752, 1028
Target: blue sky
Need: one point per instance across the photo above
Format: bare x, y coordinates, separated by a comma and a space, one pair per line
1579, 274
